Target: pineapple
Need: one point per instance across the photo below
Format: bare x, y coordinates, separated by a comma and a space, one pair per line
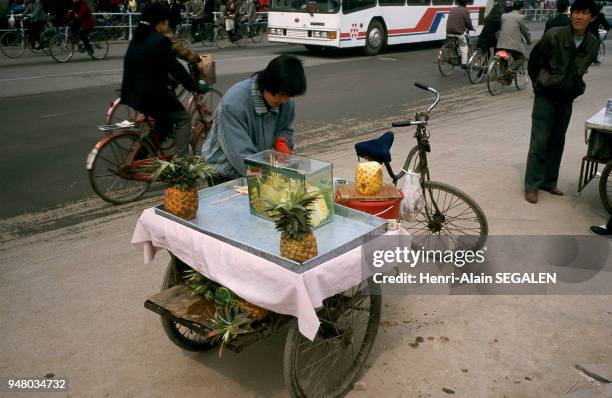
368, 178
293, 220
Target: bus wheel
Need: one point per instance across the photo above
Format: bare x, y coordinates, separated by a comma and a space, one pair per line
375, 38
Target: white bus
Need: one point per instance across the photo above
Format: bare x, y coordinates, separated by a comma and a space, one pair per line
371, 24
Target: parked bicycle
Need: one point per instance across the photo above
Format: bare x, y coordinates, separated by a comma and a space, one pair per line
498, 67
61, 46
450, 218
449, 55
131, 142
14, 42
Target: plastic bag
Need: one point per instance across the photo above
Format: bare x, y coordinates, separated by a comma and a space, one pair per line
413, 202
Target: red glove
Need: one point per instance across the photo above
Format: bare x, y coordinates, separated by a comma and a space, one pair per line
281, 145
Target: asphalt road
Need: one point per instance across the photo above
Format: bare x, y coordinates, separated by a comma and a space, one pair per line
50, 111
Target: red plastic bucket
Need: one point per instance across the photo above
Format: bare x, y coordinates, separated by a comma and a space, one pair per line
384, 209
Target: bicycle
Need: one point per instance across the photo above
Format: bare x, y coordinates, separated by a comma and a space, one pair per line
61, 46
205, 33
601, 52
498, 67
116, 163
477, 65
14, 42
253, 31
449, 55
449, 217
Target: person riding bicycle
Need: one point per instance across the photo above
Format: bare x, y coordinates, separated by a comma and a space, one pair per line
513, 31
254, 115
149, 62
249, 14
233, 7
83, 22
600, 22
492, 24
459, 21
36, 20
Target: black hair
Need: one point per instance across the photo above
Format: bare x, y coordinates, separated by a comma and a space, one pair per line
589, 5
284, 74
150, 17
518, 5
562, 6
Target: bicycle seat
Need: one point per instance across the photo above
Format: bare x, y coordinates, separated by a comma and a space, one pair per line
378, 149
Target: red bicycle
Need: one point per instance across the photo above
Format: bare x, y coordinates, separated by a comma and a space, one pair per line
117, 163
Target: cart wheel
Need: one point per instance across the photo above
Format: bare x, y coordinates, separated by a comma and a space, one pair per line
180, 335
330, 365
605, 188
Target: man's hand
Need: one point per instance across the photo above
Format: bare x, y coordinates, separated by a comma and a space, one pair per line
281, 145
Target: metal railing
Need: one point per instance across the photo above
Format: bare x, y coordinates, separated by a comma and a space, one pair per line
540, 14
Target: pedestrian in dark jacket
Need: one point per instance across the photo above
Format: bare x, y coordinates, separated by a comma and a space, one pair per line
556, 66
491, 26
146, 85
562, 18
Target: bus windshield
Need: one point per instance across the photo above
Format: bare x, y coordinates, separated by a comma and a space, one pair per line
320, 6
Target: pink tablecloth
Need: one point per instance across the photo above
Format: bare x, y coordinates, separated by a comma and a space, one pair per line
253, 278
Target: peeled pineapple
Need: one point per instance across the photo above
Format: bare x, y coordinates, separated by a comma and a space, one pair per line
368, 178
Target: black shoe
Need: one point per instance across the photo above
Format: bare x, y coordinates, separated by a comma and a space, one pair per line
601, 231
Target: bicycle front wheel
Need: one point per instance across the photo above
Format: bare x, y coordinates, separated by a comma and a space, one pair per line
208, 35
330, 365
477, 66
202, 118
444, 61
257, 33
61, 48
12, 44
183, 35
221, 37
521, 78
458, 222
99, 44
494, 76
45, 38
605, 188
109, 168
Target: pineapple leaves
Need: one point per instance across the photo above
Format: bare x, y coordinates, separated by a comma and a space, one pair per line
293, 216
180, 172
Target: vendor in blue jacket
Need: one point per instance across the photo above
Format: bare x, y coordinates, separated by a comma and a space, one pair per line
254, 115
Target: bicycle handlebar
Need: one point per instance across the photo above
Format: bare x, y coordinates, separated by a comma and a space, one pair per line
405, 123
422, 86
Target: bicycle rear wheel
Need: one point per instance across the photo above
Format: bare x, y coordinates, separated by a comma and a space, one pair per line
180, 335
45, 38
221, 38
99, 44
521, 78
459, 224
12, 44
477, 66
109, 165
330, 365
444, 61
61, 48
494, 75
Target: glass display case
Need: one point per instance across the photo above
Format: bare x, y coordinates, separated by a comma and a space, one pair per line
273, 175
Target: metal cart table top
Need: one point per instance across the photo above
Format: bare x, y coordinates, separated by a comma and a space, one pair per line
599, 151
324, 355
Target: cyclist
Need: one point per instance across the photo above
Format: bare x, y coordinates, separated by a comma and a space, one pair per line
599, 22
459, 21
492, 24
513, 31
233, 7
37, 19
83, 22
196, 7
254, 115
249, 14
146, 85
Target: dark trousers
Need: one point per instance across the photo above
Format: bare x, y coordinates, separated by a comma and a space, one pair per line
549, 121
517, 60
177, 124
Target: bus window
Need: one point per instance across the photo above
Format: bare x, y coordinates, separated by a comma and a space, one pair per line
324, 6
392, 2
349, 6
442, 2
418, 2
